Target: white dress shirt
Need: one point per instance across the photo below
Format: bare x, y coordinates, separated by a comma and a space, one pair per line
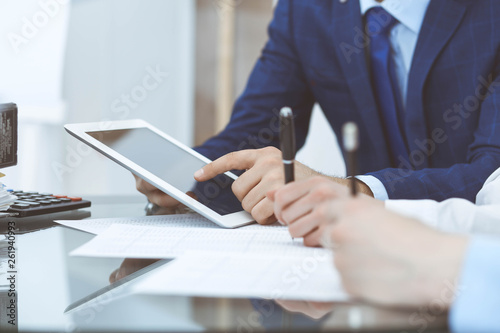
458, 215
403, 37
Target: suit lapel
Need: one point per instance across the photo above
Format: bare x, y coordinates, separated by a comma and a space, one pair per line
351, 45
440, 23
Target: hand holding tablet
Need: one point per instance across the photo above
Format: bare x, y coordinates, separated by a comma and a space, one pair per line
167, 165
155, 195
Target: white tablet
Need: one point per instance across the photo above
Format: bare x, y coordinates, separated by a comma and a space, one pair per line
166, 163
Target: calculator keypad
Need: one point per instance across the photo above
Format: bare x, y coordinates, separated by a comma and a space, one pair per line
32, 203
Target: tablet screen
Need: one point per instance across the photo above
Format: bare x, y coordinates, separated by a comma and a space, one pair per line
172, 164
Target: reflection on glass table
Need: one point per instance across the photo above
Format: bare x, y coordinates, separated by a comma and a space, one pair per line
50, 281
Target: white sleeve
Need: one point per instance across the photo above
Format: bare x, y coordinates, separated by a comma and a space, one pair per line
376, 186
458, 215
423, 210
452, 215
490, 193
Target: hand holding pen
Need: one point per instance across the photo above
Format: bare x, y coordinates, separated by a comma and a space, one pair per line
308, 206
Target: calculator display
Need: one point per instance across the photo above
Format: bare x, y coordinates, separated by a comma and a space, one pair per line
172, 164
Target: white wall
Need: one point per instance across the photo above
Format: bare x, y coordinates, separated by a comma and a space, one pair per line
32, 47
112, 47
321, 150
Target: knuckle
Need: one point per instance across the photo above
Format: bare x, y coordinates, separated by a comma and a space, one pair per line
270, 153
281, 198
167, 201
155, 201
257, 215
138, 186
274, 176
311, 240
270, 162
237, 189
340, 233
278, 198
276, 161
260, 215
320, 212
208, 169
270, 150
352, 207
231, 156
317, 179
246, 206
287, 216
293, 229
269, 220
322, 191
229, 159
259, 220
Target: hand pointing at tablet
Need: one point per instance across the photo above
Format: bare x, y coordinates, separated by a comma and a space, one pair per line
264, 172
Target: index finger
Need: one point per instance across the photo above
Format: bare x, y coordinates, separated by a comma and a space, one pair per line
238, 160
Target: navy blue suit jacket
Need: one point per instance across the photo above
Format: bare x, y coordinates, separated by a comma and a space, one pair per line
317, 52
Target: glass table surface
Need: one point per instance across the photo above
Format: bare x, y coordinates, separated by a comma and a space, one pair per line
48, 282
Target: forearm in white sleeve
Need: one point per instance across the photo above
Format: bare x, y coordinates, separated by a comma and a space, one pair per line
452, 215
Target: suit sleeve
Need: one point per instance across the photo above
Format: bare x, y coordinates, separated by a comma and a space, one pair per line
462, 180
277, 80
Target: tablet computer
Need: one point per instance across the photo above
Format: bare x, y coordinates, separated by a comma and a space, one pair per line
167, 164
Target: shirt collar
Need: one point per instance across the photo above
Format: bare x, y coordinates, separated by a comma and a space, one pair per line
410, 13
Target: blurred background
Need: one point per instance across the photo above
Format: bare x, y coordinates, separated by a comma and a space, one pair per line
66, 61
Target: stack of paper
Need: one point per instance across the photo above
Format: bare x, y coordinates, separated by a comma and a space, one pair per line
4, 244
3, 263
191, 221
6, 199
98, 226
134, 241
249, 262
307, 278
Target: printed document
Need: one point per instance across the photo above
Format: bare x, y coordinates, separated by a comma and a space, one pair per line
134, 241
306, 277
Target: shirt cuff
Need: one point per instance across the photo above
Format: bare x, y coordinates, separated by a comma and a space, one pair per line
478, 294
376, 186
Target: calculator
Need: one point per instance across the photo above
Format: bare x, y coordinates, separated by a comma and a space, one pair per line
34, 203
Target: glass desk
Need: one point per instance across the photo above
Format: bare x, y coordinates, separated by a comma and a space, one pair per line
48, 280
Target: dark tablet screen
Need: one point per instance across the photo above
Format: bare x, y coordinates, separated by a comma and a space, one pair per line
172, 164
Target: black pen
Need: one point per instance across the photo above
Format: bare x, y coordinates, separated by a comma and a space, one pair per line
350, 138
287, 142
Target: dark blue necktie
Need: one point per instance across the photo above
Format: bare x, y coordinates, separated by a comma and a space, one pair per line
383, 78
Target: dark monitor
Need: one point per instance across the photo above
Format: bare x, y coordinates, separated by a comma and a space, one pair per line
8, 135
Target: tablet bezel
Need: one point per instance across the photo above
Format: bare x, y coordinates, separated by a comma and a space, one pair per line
80, 130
